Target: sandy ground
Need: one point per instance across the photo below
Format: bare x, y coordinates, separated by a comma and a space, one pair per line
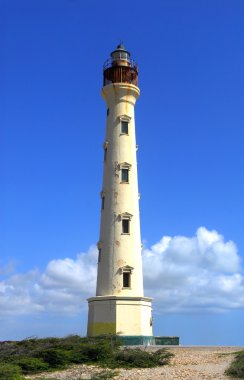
191, 363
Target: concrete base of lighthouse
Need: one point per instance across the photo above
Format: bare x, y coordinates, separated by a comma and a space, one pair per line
128, 317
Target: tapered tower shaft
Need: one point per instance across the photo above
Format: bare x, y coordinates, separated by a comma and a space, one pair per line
120, 242
120, 305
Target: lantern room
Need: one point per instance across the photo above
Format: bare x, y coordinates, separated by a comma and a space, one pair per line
120, 68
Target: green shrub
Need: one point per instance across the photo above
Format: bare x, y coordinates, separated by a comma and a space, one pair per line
36, 355
162, 356
55, 357
10, 372
32, 365
93, 351
236, 368
104, 375
79, 355
132, 358
70, 342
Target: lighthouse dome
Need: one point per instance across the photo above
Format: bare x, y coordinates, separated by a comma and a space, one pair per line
120, 54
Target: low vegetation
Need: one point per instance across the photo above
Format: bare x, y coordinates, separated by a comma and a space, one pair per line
31, 356
104, 375
236, 369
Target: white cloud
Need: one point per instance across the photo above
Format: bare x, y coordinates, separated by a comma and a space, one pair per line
62, 288
191, 274
202, 272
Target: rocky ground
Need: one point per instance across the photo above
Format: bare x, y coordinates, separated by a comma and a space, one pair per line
191, 363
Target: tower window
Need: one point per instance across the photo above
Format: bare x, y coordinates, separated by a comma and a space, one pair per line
99, 254
125, 175
102, 195
124, 167
126, 279
126, 272
124, 127
125, 226
107, 111
125, 219
105, 147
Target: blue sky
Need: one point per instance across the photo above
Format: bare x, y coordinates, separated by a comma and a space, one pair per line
189, 121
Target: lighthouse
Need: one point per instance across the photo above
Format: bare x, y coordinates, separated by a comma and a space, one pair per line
119, 306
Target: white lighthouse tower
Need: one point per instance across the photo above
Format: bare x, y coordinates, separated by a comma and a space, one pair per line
119, 306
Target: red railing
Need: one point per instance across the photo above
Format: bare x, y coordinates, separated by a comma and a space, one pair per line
120, 74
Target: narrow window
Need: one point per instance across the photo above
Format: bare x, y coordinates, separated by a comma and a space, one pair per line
103, 202
107, 111
126, 279
99, 255
124, 127
105, 147
125, 226
124, 175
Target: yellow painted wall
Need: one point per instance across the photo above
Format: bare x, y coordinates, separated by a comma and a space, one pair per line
119, 315
95, 329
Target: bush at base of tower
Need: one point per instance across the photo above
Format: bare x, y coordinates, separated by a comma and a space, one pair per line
36, 355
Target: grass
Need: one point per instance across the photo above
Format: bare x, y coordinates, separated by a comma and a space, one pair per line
32, 356
104, 375
236, 369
